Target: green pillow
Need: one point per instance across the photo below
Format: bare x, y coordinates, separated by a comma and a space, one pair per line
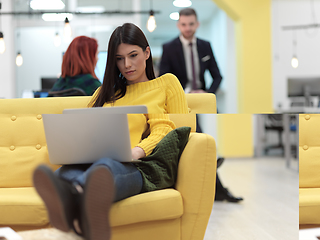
159, 169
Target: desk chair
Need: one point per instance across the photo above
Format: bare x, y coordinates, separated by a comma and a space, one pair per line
274, 122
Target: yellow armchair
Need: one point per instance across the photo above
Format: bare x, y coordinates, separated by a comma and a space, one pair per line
180, 213
309, 169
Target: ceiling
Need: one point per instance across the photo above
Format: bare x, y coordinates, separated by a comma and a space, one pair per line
166, 28
204, 8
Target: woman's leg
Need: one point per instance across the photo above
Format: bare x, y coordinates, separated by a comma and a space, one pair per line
127, 178
104, 182
58, 195
71, 172
96, 202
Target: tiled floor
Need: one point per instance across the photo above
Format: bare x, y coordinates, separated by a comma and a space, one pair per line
270, 209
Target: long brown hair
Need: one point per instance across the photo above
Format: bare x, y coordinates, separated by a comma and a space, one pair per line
114, 84
80, 57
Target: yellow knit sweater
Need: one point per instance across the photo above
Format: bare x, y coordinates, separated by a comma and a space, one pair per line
162, 95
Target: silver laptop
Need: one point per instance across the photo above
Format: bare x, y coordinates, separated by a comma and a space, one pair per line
113, 110
89, 134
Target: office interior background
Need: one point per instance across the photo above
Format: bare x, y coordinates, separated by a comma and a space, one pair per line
34, 37
251, 46
254, 54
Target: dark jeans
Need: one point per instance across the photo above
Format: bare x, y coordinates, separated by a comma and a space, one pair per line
127, 178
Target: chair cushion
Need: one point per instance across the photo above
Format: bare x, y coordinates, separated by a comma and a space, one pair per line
309, 205
22, 206
309, 197
151, 206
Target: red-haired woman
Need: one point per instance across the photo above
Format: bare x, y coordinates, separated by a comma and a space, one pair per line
78, 65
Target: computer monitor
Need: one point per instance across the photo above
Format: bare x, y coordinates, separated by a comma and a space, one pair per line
101, 65
47, 83
304, 87
300, 87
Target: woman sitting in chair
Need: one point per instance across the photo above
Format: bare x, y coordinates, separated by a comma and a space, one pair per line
77, 70
79, 196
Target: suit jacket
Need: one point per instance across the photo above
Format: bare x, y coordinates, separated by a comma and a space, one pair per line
172, 61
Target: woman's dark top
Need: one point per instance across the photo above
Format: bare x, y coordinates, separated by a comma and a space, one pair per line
84, 81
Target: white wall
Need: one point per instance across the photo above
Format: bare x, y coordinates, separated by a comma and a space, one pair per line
223, 41
40, 57
7, 75
288, 13
220, 33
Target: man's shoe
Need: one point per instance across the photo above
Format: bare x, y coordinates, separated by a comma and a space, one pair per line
219, 161
57, 196
97, 199
226, 195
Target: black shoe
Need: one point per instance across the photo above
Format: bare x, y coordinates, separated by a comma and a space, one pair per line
219, 161
226, 195
96, 203
57, 196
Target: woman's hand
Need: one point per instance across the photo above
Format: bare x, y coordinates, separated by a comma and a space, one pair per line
137, 153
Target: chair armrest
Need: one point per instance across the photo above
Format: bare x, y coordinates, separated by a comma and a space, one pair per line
181, 120
201, 102
196, 182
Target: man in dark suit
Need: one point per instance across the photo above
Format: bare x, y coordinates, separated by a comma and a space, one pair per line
188, 58
177, 56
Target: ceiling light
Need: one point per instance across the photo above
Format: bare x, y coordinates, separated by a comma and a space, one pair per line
174, 16
151, 23
19, 59
182, 3
294, 62
56, 16
67, 29
46, 4
2, 44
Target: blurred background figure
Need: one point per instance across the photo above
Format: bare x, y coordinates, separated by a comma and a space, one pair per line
189, 57
78, 64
